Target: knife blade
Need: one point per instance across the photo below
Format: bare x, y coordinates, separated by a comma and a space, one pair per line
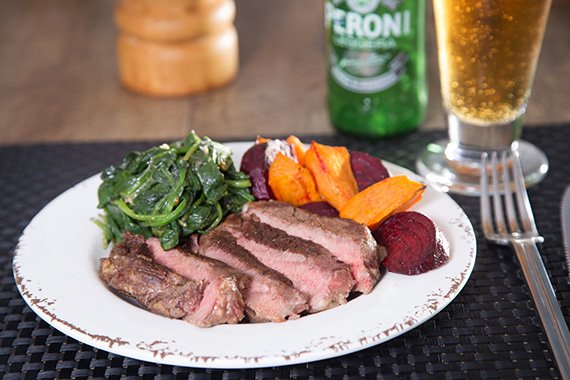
565, 219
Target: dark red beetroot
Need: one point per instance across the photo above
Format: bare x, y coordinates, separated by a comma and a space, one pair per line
253, 164
441, 254
367, 169
413, 243
321, 208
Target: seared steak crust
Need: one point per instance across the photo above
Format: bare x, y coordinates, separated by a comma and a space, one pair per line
222, 301
132, 245
270, 296
151, 285
311, 268
349, 241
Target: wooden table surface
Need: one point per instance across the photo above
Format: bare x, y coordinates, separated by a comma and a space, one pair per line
58, 76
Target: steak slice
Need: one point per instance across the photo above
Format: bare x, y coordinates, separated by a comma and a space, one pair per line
351, 242
311, 268
131, 245
151, 285
222, 301
270, 296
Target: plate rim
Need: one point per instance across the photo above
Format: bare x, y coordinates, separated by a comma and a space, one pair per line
41, 305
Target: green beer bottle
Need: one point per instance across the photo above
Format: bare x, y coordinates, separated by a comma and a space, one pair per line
376, 65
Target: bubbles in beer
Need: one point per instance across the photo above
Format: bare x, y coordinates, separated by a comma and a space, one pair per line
488, 52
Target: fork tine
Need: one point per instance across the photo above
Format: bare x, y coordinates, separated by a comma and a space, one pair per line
525, 247
497, 204
485, 204
509, 205
523, 202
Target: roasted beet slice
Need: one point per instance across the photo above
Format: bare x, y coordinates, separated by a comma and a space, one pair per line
253, 164
367, 169
253, 158
259, 187
422, 228
440, 255
321, 208
413, 243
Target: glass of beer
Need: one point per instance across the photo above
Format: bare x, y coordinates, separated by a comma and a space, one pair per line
488, 51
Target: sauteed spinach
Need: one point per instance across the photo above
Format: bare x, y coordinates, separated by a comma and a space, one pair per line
171, 191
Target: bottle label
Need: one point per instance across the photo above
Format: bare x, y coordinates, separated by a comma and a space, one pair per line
363, 49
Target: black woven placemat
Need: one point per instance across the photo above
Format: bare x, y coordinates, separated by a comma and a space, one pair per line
489, 331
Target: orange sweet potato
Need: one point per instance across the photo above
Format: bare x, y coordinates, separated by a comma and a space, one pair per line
333, 175
292, 183
374, 204
260, 139
298, 147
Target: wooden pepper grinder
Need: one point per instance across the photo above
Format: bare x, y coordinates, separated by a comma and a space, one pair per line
176, 47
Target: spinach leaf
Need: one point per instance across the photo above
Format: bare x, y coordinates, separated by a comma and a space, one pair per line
171, 191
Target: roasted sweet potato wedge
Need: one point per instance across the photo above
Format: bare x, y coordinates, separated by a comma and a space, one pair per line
332, 171
298, 147
291, 182
377, 202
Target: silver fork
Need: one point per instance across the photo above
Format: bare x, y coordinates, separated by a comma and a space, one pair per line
523, 237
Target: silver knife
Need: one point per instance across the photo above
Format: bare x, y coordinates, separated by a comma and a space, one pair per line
565, 218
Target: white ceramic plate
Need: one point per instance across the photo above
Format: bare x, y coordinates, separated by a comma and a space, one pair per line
56, 264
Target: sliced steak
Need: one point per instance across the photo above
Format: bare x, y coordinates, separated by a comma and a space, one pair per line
222, 301
132, 245
350, 242
151, 285
270, 296
311, 268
